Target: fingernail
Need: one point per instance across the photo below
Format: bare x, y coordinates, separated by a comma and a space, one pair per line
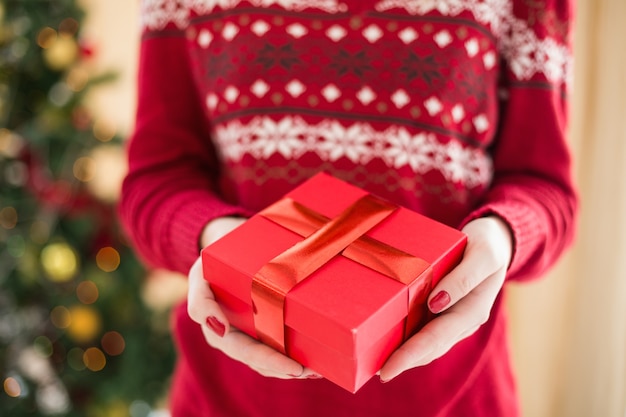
384, 381
439, 301
216, 325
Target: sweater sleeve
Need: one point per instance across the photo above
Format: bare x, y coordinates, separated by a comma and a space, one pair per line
170, 191
533, 189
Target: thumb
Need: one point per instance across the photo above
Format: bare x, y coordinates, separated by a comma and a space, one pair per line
201, 304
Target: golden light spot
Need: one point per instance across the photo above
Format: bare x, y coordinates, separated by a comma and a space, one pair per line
62, 52
46, 37
87, 292
12, 387
85, 323
84, 169
94, 359
113, 343
10, 143
103, 131
8, 217
60, 317
108, 259
59, 262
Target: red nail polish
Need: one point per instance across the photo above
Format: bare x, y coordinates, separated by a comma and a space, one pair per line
439, 302
216, 325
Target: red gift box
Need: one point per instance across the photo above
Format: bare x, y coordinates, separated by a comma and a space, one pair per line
333, 276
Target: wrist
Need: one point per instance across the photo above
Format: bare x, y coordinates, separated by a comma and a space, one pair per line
217, 228
506, 237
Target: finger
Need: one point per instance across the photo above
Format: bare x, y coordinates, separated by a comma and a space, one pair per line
478, 262
201, 304
445, 331
262, 358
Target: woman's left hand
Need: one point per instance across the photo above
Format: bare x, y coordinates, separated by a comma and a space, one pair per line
463, 298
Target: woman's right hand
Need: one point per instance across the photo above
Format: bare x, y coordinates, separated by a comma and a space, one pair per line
204, 309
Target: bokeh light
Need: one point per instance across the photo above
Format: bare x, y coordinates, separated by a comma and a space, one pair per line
60, 317
61, 52
87, 292
111, 169
69, 26
75, 359
94, 359
8, 217
85, 323
108, 259
16, 246
59, 262
43, 346
113, 343
46, 37
12, 387
103, 130
84, 169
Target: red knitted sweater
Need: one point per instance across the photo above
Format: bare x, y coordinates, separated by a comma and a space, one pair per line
453, 108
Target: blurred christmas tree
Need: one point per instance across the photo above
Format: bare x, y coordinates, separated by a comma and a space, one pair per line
76, 337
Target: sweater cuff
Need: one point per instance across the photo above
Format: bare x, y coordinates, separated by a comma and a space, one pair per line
187, 220
522, 223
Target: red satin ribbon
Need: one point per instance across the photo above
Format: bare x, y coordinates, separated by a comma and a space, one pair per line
324, 240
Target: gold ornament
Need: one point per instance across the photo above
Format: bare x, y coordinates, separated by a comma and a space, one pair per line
62, 52
85, 323
59, 262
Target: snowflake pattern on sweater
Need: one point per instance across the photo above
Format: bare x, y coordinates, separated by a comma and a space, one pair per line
410, 90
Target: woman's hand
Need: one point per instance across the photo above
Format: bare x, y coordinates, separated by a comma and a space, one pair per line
204, 310
464, 297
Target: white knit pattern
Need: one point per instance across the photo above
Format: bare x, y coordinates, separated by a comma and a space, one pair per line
360, 143
526, 54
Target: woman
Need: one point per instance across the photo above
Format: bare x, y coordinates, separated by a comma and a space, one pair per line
455, 108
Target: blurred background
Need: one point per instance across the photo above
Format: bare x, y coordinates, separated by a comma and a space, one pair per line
84, 326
